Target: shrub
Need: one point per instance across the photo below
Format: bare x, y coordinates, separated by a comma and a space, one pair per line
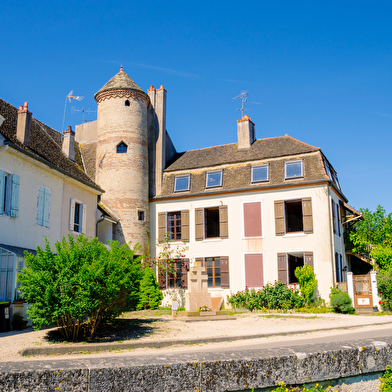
150, 295
282, 387
386, 380
307, 281
341, 303
384, 284
271, 296
81, 285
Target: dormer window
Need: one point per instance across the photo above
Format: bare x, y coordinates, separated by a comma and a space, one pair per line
122, 148
260, 173
294, 169
127, 103
214, 179
181, 183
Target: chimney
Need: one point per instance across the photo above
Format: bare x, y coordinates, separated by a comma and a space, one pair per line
23, 126
246, 132
69, 143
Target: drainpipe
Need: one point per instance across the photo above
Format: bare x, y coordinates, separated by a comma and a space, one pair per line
101, 219
4, 148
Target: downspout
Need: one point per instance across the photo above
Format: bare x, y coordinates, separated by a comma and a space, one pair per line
4, 148
331, 237
101, 219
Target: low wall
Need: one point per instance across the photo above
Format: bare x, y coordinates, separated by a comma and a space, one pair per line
358, 360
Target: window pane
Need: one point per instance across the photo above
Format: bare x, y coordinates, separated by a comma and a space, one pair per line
181, 183
294, 169
217, 282
214, 179
260, 173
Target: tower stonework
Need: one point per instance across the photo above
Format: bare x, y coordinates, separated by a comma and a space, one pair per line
122, 157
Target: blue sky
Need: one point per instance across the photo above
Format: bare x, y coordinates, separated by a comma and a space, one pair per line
321, 69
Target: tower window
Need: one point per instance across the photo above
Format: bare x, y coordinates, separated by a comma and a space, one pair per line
122, 148
140, 215
127, 103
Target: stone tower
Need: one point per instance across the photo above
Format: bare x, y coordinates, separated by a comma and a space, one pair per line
122, 156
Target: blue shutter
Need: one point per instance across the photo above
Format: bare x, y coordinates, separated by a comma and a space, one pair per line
15, 195
2, 191
40, 206
46, 208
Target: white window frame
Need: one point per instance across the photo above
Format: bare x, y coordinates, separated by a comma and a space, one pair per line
287, 163
188, 177
252, 180
214, 172
82, 216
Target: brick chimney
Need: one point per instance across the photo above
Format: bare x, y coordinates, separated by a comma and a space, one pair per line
23, 126
246, 132
69, 143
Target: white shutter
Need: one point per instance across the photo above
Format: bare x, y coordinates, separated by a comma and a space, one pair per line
15, 195
40, 205
46, 209
72, 215
84, 218
2, 191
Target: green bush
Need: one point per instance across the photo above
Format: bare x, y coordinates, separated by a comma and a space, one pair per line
384, 285
386, 380
80, 286
307, 282
282, 387
271, 296
341, 303
150, 295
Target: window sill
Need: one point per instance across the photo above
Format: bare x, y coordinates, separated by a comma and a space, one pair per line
212, 239
298, 234
294, 178
253, 238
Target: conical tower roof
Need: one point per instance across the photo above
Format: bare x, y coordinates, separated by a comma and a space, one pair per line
121, 81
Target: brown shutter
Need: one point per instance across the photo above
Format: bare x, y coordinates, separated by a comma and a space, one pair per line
225, 278
254, 270
308, 258
223, 222
252, 219
333, 217
282, 267
307, 216
201, 259
162, 278
184, 273
161, 226
185, 225
279, 217
199, 234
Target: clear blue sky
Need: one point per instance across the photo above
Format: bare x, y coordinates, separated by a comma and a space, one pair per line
323, 71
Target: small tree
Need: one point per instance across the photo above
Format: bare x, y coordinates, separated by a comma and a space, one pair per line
307, 281
150, 295
81, 285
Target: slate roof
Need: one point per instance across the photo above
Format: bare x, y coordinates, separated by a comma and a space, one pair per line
229, 153
45, 144
120, 81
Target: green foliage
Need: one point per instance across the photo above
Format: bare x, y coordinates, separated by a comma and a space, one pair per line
271, 296
341, 303
307, 281
386, 380
384, 285
373, 236
282, 387
80, 285
150, 295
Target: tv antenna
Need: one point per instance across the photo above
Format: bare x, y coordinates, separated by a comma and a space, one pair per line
244, 98
83, 111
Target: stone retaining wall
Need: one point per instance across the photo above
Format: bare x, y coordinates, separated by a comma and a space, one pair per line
216, 371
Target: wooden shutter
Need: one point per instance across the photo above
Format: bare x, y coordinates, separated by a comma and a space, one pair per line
338, 218
282, 267
84, 218
333, 217
184, 273
199, 232
252, 219
279, 217
15, 182
40, 206
254, 270
161, 278
308, 259
46, 209
185, 225
72, 215
201, 260
161, 226
223, 222
307, 216
225, 277
2, 190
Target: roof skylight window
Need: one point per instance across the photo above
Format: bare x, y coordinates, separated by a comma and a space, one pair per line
214, 179
181, 183
260, 173
294, 169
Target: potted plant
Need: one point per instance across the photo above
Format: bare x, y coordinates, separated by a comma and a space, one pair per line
18, 323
